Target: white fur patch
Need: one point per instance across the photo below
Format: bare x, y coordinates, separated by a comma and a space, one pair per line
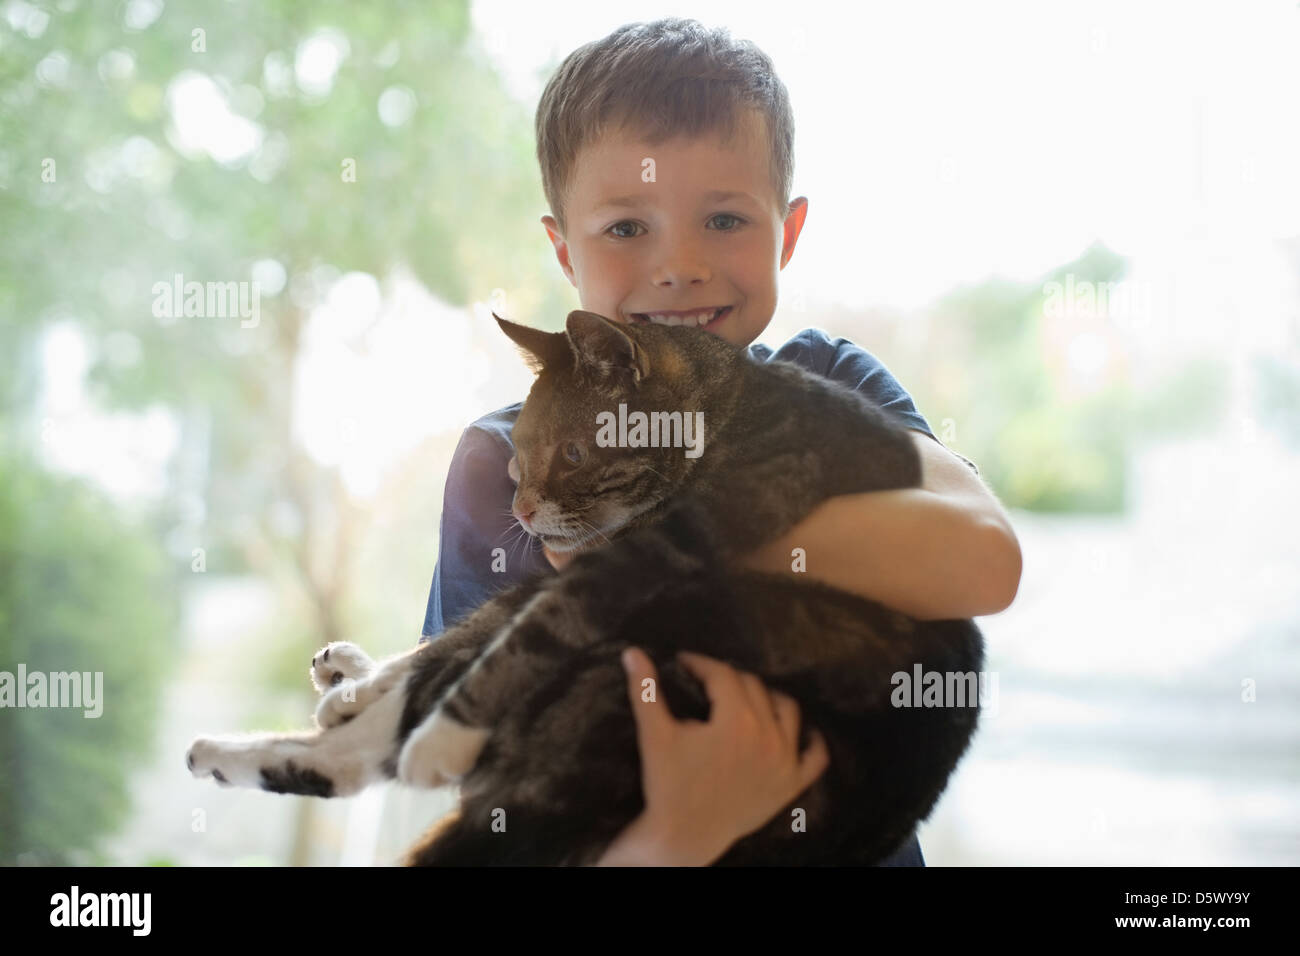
439, 750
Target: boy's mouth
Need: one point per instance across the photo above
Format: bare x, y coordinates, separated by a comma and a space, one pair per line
700, 318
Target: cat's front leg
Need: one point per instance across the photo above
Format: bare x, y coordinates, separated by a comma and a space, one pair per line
345, 701
351, 696
337, 762
439, 750
336, 662
585, 604
448, 742
264, 761
339, 671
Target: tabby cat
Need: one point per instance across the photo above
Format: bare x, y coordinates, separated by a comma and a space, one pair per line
524, 702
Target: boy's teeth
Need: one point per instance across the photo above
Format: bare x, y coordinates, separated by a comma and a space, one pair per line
695, 318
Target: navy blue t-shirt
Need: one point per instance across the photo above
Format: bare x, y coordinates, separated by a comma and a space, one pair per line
476, 516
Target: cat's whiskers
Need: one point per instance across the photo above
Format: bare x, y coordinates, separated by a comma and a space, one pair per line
595, 532
522, 537
530, 541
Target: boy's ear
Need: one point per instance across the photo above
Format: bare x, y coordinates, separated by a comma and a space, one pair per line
539, 349
606, 348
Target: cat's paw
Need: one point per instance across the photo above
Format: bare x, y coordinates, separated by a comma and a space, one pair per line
439, 751
336, 662
339, 705
207, 757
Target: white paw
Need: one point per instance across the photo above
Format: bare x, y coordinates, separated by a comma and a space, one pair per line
438, 751
338, 706
336, 662
205, 758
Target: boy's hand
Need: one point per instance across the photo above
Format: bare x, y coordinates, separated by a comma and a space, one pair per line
707, 785
558, 561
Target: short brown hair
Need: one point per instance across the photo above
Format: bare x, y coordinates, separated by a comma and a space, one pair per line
667, 78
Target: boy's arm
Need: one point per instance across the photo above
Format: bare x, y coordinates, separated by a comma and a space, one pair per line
942, 551
475, 519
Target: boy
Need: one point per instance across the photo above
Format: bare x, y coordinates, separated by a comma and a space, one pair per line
648, 139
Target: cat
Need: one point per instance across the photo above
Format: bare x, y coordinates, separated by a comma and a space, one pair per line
524, 702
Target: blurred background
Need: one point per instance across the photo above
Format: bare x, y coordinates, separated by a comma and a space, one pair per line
1072, 231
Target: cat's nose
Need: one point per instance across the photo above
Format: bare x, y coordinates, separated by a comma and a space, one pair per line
524, 516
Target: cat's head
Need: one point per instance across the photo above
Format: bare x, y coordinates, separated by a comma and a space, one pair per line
576, 488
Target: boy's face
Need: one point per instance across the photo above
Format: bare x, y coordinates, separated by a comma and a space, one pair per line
671, 246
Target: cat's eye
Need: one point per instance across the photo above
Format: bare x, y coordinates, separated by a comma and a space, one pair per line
573, 453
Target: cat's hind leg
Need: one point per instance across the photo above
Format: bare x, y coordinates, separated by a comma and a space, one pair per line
337, 762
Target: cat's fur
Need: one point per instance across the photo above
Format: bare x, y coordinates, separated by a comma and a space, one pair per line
524, 701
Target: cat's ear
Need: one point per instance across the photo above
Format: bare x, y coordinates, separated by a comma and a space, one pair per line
539, 349
606, 347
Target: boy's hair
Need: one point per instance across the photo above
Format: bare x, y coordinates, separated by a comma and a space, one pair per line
662, 79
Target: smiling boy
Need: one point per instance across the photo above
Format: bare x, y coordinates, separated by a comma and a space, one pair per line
667, 153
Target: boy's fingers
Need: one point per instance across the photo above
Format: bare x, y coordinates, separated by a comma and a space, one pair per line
717, 674
814, 761
718, 677
787, 715
760, 697
652, 717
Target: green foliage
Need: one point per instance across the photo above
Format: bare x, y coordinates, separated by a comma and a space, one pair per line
102, 201
453, 195
989, 367
1187, 401
1277, 399
83, 590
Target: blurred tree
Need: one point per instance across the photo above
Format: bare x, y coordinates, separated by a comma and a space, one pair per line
1277, 401
375, 137
994, 367
80, 590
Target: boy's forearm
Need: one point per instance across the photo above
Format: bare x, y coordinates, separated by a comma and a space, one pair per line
642, 843
926, 555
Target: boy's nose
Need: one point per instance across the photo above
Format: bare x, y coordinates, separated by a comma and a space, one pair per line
682, 265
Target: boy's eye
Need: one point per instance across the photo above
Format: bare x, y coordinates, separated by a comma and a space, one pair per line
626, 222
727, 215
617, 230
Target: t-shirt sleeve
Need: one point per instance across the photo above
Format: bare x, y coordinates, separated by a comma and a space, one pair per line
854, 366
472, 523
